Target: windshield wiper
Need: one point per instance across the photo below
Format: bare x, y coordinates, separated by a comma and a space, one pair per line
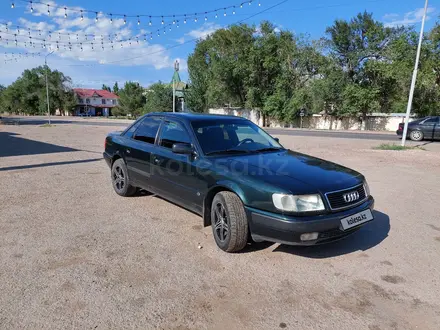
227, 151
269, 149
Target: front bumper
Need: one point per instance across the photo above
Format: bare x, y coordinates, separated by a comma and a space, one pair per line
278, 228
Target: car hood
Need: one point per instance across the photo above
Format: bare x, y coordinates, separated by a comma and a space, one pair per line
280, 168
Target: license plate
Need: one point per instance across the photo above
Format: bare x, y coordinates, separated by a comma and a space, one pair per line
356, 219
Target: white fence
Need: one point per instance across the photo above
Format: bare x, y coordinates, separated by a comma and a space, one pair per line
374, 122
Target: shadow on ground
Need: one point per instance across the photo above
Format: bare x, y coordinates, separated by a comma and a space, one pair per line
13, 145
69, 162
366, 238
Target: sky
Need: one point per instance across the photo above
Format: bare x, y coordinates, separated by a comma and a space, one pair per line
115, 48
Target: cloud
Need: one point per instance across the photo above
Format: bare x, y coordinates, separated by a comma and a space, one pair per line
180, 40
409, 18
204, 31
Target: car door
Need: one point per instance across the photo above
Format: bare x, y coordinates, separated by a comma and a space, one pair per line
139, 151
429, 127
437, 129
176, 174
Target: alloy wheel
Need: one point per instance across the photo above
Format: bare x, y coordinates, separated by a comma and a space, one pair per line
119, 178
221, 225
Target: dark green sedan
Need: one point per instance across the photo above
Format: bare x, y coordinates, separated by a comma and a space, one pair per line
239, 179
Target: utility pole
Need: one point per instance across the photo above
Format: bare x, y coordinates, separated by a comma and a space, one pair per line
176, 69
414, 77
47, 85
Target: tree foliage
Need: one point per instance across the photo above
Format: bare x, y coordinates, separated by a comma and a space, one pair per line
131, 100
360, 67
159, 98
27, 95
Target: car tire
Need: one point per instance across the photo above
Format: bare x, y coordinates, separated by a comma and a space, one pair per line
120, 181
416, 135
229, 222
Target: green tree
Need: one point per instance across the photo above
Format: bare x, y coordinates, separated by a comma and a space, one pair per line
27, 94
131, 99
116, 88
159, 98
106, 88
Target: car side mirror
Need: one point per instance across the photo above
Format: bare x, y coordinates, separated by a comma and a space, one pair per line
277, 139
183, 149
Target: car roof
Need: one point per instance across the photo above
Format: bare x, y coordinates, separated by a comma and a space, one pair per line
194, 116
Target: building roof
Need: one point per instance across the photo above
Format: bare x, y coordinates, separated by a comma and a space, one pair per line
85, 92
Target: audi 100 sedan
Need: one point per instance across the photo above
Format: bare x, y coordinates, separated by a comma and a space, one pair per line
239, 179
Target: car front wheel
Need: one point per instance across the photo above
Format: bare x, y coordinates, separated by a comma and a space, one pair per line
416, 135
229, 222
120, 181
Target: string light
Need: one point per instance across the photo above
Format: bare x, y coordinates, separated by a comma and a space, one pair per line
82, 16
162, 21
216, 15
206, 17
65, 12
184, 21
139, 21
224, 14
149, 23
48, 10
125, 19
12, 5
96, 18
111, 18
259, 4
32, 8
233, 12
174, 19
195, 19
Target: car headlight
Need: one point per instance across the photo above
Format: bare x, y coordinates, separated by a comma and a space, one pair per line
367, 189
298, 203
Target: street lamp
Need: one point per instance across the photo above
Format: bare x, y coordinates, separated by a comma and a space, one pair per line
47, 86
414, 77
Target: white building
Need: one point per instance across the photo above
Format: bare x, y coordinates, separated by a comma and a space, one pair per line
94, 102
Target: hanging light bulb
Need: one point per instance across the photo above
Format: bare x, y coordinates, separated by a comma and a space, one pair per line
162, 21
174, 19
65, 12
125, 19
137, 39
111, 18
18, 29
82, 16
50, 34
139, 21
250, 2
96, 18
184, 21
92, 46
195, 19
32, 8
216, 15
177, 24
12, 5
145, 38
224, 14
233, 11
206, 16
170, 28
149, 23
241, 5
259, 3
122, 45
151, 36
39, 32
77, 37
48, 10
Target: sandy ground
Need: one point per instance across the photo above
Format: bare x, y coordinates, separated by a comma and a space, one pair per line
75, 255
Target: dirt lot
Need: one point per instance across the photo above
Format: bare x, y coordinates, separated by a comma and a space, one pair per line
75, 255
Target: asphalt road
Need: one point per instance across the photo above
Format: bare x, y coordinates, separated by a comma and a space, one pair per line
274, 131
76, 255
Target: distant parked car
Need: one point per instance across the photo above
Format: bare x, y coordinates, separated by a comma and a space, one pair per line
239, 178
427, 128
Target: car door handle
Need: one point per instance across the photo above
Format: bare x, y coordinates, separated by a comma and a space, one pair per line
128, 151
156, 160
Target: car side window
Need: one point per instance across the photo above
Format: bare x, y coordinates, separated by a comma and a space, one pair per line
171, 133
147, 130
129, 133
431, 121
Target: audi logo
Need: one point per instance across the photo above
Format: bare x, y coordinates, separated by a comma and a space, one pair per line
351, 197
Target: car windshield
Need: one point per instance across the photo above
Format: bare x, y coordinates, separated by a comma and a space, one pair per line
232, 136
